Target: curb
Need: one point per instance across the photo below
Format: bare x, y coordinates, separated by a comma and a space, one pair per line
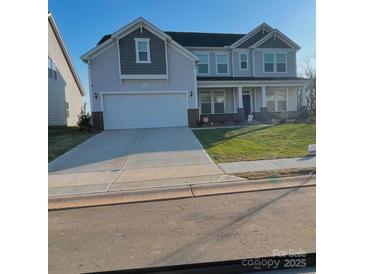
176, 192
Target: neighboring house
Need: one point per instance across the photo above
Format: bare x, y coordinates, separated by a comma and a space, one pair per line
65, 92
141, 76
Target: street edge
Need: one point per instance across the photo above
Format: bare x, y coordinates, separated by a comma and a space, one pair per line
175, 192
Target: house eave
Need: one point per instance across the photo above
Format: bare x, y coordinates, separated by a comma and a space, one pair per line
251, 83
280, 35
65, 53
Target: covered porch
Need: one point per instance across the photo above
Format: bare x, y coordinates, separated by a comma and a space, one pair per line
231, 102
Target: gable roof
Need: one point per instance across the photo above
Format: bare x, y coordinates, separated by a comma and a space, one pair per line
263, 26
196, 39
139, 22
65, 53
276, 34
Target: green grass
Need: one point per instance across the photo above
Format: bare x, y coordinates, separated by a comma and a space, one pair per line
257, 142
62, 139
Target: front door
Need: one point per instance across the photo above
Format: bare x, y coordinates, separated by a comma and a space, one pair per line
246, 99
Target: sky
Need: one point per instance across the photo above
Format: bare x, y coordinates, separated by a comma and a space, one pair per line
82, 23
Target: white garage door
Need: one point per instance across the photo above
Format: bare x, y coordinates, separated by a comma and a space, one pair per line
122, 111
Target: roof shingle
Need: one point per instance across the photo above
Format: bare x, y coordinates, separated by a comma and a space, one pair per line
197, 39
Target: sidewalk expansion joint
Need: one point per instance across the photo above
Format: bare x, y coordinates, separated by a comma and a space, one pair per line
127, 162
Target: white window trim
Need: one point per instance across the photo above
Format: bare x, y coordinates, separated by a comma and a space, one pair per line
216, 63
136, 40
275, 70
239, 61
212, 102
276, 101
197, 69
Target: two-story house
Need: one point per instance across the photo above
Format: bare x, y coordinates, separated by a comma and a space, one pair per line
141, 77
65, 91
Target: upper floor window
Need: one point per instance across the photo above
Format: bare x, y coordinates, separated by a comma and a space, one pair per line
243, 61
203, 65
222, 63
52, 69
281, 62
274, 62
143, 54
269, 62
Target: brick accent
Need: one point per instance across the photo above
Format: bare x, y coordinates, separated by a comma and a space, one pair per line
241, 114
224, 117
98, 121
193, 117
265, 115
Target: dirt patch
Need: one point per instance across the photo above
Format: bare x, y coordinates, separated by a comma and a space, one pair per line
276, 173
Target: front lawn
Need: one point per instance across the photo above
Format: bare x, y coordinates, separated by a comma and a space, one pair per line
62, 139
257, 142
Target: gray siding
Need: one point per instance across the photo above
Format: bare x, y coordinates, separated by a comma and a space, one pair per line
105, 77
128, 54
274, 43
258, 36
56, 101
236, 65
63, 89
291, 64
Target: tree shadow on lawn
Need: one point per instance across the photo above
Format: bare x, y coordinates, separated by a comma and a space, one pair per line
219, 135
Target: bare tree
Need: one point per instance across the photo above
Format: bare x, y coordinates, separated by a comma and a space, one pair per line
309, 72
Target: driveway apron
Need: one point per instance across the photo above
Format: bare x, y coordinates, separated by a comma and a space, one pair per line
133, 159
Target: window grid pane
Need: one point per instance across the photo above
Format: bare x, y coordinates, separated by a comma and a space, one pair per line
269, 58
282, 106
280, 67
202, 68
203, 58
222, 68
222, 59
269, 67
206, 107
143, 56
218, 107
219, 97
205, 97
270, 106
142, 46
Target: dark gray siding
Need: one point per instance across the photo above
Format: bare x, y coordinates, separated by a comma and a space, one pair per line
274, 43
128, 54
253, 39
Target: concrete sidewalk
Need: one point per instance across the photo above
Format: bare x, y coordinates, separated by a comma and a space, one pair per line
266, 165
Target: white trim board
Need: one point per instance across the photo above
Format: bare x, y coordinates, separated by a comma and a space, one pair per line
261, 27
276, 34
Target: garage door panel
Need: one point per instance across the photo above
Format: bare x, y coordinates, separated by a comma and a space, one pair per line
122, 111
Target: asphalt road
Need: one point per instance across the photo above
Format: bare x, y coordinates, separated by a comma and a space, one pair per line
194, 230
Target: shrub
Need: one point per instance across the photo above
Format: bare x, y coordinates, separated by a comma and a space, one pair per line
84, 120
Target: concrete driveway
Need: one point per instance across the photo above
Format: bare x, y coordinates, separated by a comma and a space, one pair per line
133, 159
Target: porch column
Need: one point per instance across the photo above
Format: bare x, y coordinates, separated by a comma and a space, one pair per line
264, 114
303, 110
263, 92
303, 97
240, 103
240, 110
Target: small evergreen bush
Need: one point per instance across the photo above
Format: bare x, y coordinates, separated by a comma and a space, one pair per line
84, 120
